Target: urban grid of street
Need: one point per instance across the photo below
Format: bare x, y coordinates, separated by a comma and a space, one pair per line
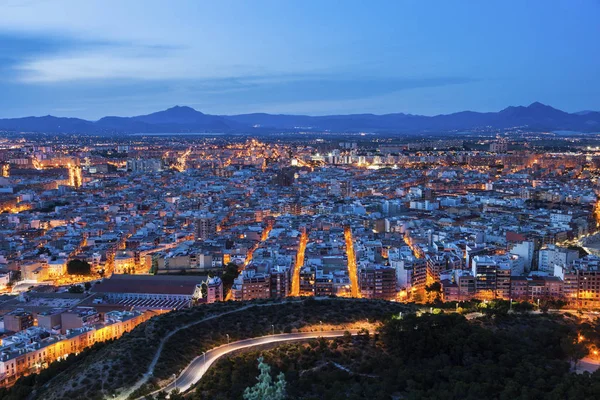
490, 216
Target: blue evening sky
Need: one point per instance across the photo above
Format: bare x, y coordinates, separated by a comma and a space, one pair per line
90, 58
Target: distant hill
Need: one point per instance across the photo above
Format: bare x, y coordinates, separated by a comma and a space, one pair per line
180, 119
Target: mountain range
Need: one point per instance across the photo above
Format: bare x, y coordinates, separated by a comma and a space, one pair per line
180, 119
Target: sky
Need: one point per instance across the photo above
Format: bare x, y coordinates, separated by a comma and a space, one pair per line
93, 58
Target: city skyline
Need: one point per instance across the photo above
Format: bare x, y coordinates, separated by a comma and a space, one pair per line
293, 200
281, 57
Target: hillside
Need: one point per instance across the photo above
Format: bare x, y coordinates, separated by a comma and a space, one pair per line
429, 357
116, 366
182, 119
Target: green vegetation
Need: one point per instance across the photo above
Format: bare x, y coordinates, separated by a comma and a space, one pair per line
122, 363
443, 356
76, 289
78, 267
230, 272
429, 357
287, 317
265, 389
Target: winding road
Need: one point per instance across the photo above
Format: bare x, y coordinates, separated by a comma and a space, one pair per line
199, 365
125, 394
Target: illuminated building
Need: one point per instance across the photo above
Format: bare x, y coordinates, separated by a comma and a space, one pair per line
124, 262
377, 282
250, 285
18, 320
581, 281
492, 277
34, 348
552, 256
214, 289
144, 165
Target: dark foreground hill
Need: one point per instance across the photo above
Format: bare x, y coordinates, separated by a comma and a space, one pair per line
428, 357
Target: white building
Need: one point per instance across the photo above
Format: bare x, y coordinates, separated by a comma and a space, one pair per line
554, 256
525, 251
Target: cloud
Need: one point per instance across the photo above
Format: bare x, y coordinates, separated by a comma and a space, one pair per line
49, 58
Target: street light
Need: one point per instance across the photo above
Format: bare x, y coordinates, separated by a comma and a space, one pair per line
227, 338
321, 322
175, 377
273, 328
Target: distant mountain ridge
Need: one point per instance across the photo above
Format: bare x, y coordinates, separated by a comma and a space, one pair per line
182, 119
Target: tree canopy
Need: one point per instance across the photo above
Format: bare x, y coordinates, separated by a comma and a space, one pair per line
265, 388
79, 267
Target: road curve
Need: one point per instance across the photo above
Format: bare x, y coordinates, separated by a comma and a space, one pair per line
125, 394
199, 365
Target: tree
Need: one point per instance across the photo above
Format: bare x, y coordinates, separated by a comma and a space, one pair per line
176, 395
87, 286
78, 267
433, 291
522, 307
574, 350
76, 289
265, 389
230, 272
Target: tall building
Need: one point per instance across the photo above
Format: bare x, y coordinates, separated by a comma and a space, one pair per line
144, 165
525, 250
250, 285
280, 281
206, 227
492, 276
553, 256
214, 289
377, 282
18, 320
499, 147
581, 282
285, 177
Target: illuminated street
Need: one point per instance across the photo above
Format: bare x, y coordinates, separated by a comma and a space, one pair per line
198, 367
164, 163
352, 267
295, 290
182, 161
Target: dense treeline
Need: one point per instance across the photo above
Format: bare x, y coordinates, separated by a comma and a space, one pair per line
78, 267
427, 357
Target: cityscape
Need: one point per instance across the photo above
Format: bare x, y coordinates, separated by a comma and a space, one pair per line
274, 202
133, 227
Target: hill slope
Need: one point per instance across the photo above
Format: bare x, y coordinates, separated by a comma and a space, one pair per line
181, 119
